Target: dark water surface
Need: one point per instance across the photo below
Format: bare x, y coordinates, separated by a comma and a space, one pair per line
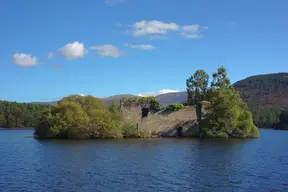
143, 165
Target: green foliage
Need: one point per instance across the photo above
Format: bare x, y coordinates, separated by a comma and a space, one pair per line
269, 90
227, 115
197, 85
284, 117
104, 125
79, 117
265, 117
115, 110
175, 107
131, 130
283, 120
20, 115
271, 82
154, 103
220, 79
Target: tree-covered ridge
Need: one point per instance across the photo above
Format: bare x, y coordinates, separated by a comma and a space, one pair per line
273, 80
20, 115
226, 114
270, 90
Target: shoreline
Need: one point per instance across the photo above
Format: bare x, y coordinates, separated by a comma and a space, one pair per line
2, 128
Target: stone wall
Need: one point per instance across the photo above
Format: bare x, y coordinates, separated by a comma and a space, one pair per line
143, 105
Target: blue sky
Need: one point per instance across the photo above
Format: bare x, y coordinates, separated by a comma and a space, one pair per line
54, 48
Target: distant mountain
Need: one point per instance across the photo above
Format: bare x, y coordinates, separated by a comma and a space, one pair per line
269, 90
164, 99
172, 98
117, 98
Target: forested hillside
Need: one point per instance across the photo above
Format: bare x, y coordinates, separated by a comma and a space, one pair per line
20, 115
266, 96
270, 90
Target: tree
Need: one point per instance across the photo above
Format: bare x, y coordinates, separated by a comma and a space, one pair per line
227, 115
77, 117
197, 85
283, 120
115, 110
220, 79
20, 115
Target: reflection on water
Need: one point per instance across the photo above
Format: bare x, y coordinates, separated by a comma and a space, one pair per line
27, 164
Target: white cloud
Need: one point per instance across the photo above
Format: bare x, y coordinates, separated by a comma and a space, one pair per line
107, 50
25, 60
191, 28
82, 95
73, 50
143, 47
192, 31
51, 55
160, 92
143, 28
159, 29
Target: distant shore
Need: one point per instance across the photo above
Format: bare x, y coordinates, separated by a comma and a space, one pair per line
2, 128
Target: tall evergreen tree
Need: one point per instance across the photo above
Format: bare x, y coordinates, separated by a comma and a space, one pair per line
197, 85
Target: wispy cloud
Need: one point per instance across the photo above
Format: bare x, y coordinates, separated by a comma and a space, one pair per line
143, 46
154, 27
73, 50
25, 60
160, 92
107, 50
51, 55
192, 31
191, 28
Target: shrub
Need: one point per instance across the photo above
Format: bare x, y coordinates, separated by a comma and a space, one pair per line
79, 117
175, 107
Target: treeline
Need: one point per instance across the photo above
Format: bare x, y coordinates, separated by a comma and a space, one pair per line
266, 117
20, 115
271, 82
283, 120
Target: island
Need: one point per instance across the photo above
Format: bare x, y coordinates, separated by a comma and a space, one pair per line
215, 111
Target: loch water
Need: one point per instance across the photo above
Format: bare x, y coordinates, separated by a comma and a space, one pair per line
134, 165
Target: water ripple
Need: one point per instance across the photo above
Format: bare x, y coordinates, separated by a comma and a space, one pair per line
143, 165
